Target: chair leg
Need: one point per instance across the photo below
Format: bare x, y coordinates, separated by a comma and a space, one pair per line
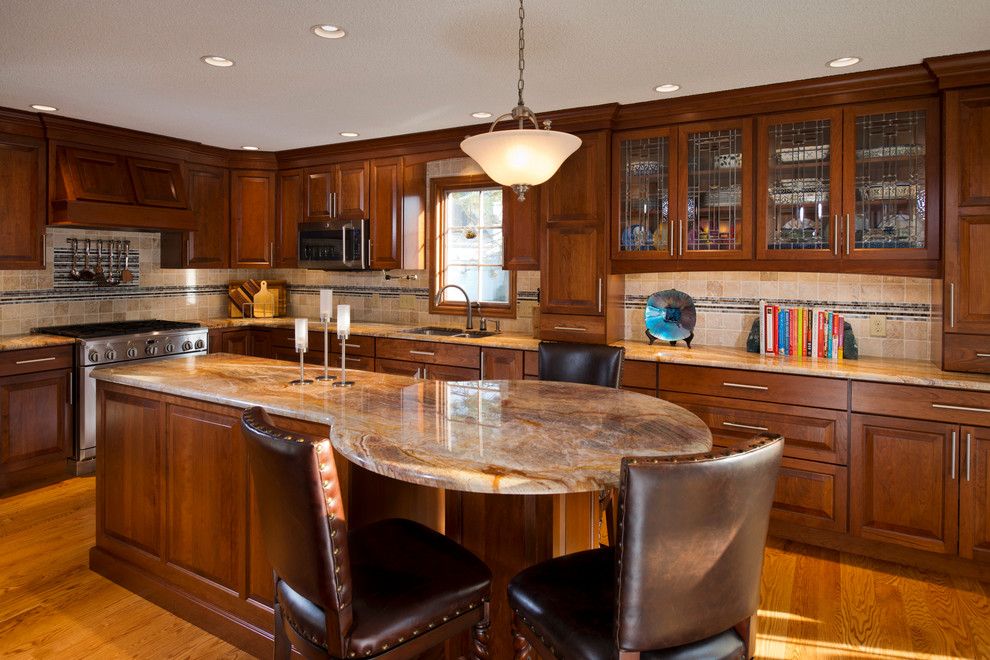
521, 648
747, 630
481, 635
283, 647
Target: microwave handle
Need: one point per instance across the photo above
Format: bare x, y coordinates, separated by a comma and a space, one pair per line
352, 263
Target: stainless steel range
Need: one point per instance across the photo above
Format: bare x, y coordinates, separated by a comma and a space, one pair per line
111, 344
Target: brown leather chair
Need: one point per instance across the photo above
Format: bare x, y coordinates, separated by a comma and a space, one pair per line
591, 364
684, 578
392, 589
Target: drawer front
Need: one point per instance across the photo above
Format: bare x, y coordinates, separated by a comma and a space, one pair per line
283, 337
809, 433
639, 374
32, 360
572, 327
966, 353
641, 390
398, 367
362, 362
812, 494
430, 371
446, 372
429, 352
756, 386
356, 345
929, 403
531, 364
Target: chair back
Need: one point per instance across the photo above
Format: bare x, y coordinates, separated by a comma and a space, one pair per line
302, 518
591, 364
691, 540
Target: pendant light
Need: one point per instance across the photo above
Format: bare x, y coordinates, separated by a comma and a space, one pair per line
521, 157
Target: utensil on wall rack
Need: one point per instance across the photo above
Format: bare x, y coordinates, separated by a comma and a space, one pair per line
126, 276
98, 269
113, 277
74, 270
86, 275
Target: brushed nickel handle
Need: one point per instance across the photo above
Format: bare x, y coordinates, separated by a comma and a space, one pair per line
969, 454
945, 406
835, 247
352, 359
983, 355
670, 237
743, 386
748, 427
599, 295
680, 238
428, 353
952, 304
847, 233
72, 392
47, 359
352, 345
953, 471
572, 328
482, 373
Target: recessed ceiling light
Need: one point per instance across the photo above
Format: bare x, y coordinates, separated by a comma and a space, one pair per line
667, 88
348, 134
44, 108
328, 31
248, 147
216, 60
843, 62
481, 115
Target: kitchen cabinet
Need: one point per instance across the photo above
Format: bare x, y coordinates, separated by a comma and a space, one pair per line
521, 230
291, 211
966, 310
236, 341
337, 191
95, 176
426, 359
158, 182
974, 493
501, 364
644, 194
386, 213
208, 246
23, 199
252, 219
36, 415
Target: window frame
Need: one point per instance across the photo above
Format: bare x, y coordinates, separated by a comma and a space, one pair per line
439, 187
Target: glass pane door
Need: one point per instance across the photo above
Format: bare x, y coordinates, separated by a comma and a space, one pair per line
715, 191
644, 198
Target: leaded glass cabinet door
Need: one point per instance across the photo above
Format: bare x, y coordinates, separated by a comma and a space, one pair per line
715, 209
890, 198
642, 194
799, 185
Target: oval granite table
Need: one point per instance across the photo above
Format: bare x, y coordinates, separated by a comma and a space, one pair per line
510, 469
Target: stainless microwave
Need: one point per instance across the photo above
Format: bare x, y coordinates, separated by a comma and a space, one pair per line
335, 245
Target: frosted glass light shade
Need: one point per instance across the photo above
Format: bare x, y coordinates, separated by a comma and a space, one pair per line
526, 157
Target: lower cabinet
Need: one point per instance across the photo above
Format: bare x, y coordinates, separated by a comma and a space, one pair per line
974, 494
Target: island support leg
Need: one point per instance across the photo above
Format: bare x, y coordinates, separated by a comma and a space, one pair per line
481, 635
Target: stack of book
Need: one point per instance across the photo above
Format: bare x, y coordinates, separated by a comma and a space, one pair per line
801, 331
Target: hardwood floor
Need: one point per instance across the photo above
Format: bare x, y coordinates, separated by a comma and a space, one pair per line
816, 603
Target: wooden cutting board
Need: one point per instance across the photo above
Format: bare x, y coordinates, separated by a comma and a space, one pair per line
264, 302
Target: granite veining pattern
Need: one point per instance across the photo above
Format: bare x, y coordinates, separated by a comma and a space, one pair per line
517, 437
21, 342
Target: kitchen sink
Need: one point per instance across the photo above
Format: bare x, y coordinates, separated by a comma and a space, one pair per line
449, 332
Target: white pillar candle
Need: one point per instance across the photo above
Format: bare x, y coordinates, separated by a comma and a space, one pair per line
326, 304
302, 334
343, 321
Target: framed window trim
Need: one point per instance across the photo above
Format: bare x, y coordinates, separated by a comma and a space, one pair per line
439, 187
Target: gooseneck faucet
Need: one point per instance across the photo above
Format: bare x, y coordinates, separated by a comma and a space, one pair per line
467, 301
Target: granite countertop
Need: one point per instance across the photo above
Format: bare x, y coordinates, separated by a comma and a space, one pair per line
21, 342
518, 437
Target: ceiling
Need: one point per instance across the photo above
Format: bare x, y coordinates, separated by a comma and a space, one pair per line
414, 65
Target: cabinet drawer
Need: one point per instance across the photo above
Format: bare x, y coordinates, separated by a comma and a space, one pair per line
398, 367
639, 375
31, 360
362, 362
966, 353
755, 386
429, 371
572, 327
928, 403
809, 433
640, 390
811, 494
429, 352
356, 345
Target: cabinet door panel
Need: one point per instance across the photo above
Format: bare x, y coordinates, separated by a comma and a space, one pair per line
352, 190
291, 211
96, 176
974, 496
398, 367
252, 219
386, 213
643, 195
521, 230
319, 192
158, 183
576, 193
968, 277
23, 202
447, 372
209, 199
811, 494
501, 364
35, 418
905, 486
236, 342
572, 278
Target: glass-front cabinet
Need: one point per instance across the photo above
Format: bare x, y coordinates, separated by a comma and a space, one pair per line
643, 195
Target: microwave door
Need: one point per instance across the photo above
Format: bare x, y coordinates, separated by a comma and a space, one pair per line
353, 246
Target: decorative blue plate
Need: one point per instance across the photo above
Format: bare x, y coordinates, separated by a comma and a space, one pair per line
670, 316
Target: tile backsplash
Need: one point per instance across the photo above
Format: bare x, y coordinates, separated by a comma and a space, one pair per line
727, 301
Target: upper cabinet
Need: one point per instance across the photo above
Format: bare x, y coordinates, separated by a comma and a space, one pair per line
158, 183
291, 211
386, 213
338, 191
22, 202
643, 195
208, 246
252, 219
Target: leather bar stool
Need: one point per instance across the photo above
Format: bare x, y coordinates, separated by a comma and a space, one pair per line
684, 578
591, 364
392, 589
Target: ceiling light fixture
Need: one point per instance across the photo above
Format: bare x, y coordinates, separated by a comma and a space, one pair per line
481, 115
44, 108
348, 134
843, 62
521, 157
248, 147
327, 31
667, 88
216, 60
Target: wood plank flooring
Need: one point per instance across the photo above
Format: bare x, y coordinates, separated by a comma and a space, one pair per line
816, 603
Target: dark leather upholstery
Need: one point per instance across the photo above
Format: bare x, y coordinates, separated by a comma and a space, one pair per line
590, 364
354, 593
686, 569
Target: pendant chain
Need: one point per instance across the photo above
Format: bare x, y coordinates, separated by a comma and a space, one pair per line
522, 47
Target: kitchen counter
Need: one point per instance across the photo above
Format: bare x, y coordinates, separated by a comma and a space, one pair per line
21, 342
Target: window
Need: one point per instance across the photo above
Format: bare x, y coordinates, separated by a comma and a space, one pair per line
466, 242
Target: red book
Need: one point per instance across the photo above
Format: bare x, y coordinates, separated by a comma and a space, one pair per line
821, 334
792, 349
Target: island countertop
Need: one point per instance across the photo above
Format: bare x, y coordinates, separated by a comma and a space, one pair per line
519, 437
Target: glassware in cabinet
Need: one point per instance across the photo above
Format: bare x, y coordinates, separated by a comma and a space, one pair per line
642, 193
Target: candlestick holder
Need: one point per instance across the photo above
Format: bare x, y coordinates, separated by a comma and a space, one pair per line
302, 380
343, 382
326, 353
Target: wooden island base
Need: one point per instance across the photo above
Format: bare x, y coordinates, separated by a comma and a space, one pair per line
175, 522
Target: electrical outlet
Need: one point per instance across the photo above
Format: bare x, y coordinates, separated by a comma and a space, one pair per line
878, 326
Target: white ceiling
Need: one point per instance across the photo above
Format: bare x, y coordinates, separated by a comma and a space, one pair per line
413, 65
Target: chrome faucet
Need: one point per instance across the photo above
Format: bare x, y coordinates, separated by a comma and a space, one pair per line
467, 300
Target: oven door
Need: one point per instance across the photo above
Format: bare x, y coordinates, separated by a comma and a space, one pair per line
334, 245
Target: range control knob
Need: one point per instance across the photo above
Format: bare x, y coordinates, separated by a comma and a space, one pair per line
169, 348
111, 354
94, 356
151, 350
132, 352
200, 344
187, 345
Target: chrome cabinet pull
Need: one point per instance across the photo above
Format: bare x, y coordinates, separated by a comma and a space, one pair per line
572, 328
847, 233
47, 359
670, 237
969, 454
680, 239
945, 406
836, 246
429, 353
352, 359
748, 427
482, 374
72, 393
599, 295
953, 471
353, 345
983, 355
952, 304
743, 386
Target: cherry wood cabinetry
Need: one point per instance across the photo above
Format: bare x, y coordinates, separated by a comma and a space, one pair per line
521, 230
386, 213
95, 176
23, 202
208, 246
974, 493
338, 191
501, 364
158, 183
252, 219
291, 211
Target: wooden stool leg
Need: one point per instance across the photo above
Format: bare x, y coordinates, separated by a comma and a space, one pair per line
283, 647
747, 630
481, 636
521, 648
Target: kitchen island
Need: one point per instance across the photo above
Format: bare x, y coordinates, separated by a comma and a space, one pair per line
511, 469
